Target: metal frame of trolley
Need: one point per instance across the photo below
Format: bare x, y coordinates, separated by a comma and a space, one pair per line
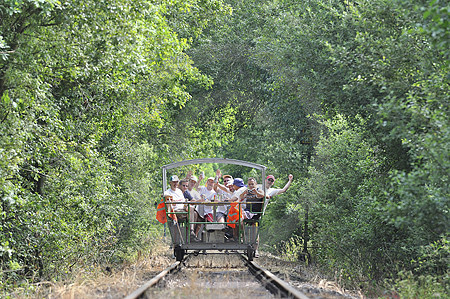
213, 233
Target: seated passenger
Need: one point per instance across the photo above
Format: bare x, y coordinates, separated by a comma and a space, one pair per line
175, 195
191, 186
183, 185
193, 214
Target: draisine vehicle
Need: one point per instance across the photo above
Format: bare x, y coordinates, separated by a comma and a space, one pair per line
212, 235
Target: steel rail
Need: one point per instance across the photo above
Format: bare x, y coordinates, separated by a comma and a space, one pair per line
270, 281
140, 293
274, 284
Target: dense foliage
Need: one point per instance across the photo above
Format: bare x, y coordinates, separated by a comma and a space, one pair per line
355, 104
350, 97
89, 93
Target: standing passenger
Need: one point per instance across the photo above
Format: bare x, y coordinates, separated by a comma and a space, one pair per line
235, 209
254, 199
222, 195
271, 192
208, 193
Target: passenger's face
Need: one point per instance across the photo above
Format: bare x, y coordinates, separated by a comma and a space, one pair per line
251, 184
184, 186
269, 182
210, 184
226, 181
174, 185
191, 184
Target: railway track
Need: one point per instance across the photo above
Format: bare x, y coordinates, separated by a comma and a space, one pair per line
229, 276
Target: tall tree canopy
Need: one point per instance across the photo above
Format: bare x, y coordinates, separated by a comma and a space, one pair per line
350, 97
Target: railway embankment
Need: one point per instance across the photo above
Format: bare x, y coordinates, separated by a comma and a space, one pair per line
207, 275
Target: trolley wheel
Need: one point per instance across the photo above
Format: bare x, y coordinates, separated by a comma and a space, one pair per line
179, 253
250, 254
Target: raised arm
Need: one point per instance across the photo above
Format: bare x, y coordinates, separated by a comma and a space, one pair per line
291, 177
189, 175
216, 180
218, 175
200, 178
221, 187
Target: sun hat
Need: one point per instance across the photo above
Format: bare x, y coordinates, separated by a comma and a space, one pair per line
239, 182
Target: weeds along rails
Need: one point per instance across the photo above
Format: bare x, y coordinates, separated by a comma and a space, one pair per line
235, 233
223, 276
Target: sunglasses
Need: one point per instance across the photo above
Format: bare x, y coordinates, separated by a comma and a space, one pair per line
271, 180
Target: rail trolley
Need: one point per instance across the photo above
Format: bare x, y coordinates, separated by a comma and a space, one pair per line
211, 236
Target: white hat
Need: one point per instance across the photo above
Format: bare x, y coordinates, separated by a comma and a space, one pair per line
174, 178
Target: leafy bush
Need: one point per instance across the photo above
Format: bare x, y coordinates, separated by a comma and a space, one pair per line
430, 275
342, 183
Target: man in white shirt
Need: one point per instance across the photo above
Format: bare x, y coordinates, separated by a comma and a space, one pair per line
192, 181
271, 192
223, 193
174, 194
207, 192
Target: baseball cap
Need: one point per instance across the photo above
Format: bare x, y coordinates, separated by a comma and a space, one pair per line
194, 178
210, 178
227, 176
174, 178
270, 177
238, 182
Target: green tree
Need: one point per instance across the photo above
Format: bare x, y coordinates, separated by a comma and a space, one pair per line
87, 90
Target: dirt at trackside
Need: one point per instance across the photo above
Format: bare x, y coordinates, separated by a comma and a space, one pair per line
306, 279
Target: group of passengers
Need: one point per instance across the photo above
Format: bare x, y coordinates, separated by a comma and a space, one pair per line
232, 190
